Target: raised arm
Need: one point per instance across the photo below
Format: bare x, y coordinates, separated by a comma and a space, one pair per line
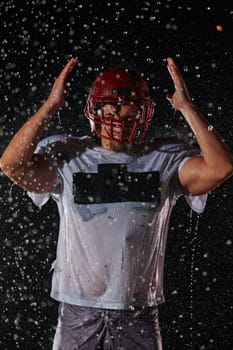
30, 171
199, 174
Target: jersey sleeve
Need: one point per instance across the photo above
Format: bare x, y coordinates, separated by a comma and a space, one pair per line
43, 147
176, 156
196, 202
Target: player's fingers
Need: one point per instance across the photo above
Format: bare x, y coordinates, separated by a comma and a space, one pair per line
177, 79
175, 74
68, 68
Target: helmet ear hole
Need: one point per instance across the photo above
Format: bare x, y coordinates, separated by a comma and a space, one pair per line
97, 107
99, 112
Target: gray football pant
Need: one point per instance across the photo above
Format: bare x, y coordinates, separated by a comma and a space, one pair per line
92, 328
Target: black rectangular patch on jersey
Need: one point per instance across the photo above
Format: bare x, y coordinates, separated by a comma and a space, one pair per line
113, 183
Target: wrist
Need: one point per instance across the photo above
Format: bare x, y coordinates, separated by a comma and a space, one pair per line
49, 108
189, 107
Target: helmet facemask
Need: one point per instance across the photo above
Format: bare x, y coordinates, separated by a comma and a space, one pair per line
108, 90
129, 129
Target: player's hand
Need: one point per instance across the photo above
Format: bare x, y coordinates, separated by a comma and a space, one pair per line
59, 91
180, 97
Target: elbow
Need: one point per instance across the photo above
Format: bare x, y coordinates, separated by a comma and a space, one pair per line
6, 168
226, 172
11, 170
230, 170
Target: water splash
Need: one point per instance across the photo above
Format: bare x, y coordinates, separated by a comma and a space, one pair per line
193, 231
10, 197
59, 125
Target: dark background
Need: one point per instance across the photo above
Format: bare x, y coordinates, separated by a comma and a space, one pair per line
37, 38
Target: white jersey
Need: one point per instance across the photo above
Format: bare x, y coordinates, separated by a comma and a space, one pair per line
114, 214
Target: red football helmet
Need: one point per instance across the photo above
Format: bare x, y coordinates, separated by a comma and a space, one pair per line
119, 87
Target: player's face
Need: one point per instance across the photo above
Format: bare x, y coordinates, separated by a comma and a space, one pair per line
128, 113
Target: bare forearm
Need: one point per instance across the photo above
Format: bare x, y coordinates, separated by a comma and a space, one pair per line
213, 149
21, 148
35, 173
199, 174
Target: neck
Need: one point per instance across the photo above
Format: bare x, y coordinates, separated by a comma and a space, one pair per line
116, 146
